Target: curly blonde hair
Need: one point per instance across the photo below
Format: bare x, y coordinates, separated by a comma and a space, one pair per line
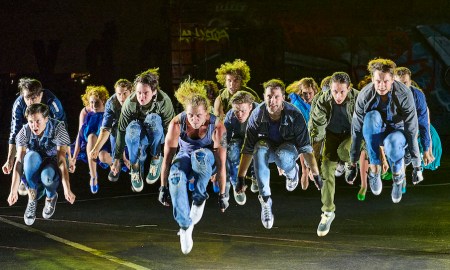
238, 68
309, 82
292, 88
98, 91
192, 93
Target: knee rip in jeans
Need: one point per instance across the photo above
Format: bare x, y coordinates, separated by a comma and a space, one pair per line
200, 157
175, 178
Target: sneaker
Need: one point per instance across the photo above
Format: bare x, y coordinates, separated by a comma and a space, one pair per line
267, 217
325, 223
291, 184
30, 212
137, 185
240, 198
49, 208
154, 171
197, 212
362, 194
375, 182
339, 169
404, 187
350, 173
112, 177
186, 239
22, 189
254, 187
94, 188
397, 186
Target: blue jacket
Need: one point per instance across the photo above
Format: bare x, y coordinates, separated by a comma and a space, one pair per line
111, 115
292, 128
422, 117
19, 107
304, 107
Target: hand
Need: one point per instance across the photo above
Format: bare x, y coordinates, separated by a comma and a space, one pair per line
318, 181
70, 197
280, 171
223, 202
428, 157
385, 166
350, 173
240, 185
72, 166
127, 162
12, 198
93, 154
115, 167
417, 175
164, 195
7, 168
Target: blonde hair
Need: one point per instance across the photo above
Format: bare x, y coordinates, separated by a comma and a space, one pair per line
98, 91
292, 88
192, 93
383, 65
238, 68
309, 82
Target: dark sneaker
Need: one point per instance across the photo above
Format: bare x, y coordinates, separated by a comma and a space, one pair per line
196, 212
154, 170
292, 183
375, 182
339, 169
112, 177
325, 223
137, 185
186, 241
49, 208
267, 217
30, 212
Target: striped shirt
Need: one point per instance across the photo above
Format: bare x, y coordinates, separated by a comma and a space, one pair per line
54, 135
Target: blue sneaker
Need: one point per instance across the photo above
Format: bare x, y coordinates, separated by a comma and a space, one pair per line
375, 182
397, 187
154, 170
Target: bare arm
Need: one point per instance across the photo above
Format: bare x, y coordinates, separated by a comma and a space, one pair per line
8, 166
311, 163
17, 173
62, 166
218, 108
220, 144
102, 138
170, 148
76, 151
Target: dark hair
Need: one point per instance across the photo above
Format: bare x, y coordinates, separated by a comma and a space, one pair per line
325, 83
37, 108
383, 65
149, 77
241, 97
400, 71
341, 77
124, 83
32, 85
274, 83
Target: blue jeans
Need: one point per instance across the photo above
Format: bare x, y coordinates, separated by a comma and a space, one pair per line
376, 134
200, 165
38, 170
284, 156
233, 160
141, 135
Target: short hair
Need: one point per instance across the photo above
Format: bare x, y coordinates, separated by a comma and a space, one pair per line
274, 83
325, 83
383, 65
149, 77
364, 81
32, 85
124, 83
241, 97
238, 68
91, 90
189, 93
37, 108
309, 82
340, 77
400, 71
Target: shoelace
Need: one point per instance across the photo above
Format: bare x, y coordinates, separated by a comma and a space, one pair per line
48, 206
324, 219
31, 208
267, 211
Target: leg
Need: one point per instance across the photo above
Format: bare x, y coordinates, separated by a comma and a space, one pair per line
32, 163
261, 165
285, 157
179, 173
92, 139
155, 135
373, 132
394, 147
50, 179
135, 139
363, 167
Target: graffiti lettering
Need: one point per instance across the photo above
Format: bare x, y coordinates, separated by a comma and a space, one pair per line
208, 34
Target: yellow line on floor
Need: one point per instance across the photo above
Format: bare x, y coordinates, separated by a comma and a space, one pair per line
92, 251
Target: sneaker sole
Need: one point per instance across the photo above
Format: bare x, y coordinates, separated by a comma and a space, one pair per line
323, 233
137, 190
151, 181
27, 221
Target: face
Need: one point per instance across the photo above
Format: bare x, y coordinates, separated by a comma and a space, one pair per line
242, 111
274, 97
307, 93
31, 99
96, 104
406, 79
122, 93
339, 91
196, 115
144, 93
37, 123
382, 82
233, 83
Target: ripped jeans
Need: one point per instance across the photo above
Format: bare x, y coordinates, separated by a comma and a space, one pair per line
200, 165
284, 156
41, 170
233, 160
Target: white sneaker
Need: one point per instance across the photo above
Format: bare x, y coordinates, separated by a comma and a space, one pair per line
240, 198
254, 187
186, 239
339, 169
325, 223
22, 189
267, 217
197, 212
292, 183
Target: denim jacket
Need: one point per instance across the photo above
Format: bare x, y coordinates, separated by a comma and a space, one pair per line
19, 107
401, 114
111, 115
422, 117
292, 128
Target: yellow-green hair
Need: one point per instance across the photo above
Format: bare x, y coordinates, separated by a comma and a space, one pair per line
238, 68
98, 91
192, 93
292, 88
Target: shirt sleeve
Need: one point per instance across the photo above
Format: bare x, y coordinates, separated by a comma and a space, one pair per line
423, 119
251, 133
357, 123
16, 121
22, 138
108, 116
167, 113
228, 125
61, 136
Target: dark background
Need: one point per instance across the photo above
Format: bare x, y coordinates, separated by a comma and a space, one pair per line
59, 42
